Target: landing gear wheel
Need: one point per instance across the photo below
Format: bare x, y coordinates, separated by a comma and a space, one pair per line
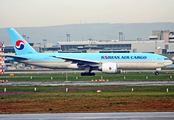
82, 74
156, 73
87, 74
92, 74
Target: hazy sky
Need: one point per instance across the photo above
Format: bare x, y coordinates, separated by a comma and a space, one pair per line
33, 13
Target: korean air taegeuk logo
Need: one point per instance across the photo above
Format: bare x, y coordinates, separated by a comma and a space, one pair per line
20, 45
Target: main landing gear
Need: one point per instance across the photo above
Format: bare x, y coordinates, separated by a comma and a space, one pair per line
88, 72
156, 73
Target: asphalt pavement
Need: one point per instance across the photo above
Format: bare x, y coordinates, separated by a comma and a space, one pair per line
92, 116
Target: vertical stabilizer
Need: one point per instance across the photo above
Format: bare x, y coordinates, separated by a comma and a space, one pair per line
20, 45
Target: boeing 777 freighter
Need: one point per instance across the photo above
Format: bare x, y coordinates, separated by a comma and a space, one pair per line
104, 62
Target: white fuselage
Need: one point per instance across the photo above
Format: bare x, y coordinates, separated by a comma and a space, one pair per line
140, 65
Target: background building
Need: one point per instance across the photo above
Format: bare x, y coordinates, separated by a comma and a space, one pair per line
166, 35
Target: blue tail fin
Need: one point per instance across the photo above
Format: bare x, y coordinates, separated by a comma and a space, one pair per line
20, 45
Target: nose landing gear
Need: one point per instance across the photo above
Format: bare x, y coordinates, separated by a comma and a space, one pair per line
156, 73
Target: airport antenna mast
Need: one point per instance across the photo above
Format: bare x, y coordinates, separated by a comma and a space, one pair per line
2, 58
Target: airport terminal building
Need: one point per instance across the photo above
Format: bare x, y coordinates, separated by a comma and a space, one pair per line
161, 42
114, 46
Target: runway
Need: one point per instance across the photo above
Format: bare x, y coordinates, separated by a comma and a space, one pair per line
91, 116
88, 83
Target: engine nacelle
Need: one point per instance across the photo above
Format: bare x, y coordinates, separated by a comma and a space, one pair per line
110, 68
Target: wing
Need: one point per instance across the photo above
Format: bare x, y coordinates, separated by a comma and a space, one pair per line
79, 61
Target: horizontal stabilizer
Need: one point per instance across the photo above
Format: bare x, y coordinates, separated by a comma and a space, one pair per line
17, 57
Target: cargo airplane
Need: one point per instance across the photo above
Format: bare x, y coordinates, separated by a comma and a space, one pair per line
104, 62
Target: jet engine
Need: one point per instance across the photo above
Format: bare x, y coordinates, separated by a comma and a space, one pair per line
110, 68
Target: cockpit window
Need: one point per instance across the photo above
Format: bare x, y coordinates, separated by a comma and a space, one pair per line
166, 59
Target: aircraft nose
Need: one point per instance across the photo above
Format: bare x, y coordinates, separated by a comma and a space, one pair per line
168, 63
